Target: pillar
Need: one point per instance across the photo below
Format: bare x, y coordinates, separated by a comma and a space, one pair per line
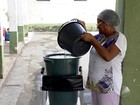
131, 66
3, 23
1, 49
12, 12
120, 11
20, 20
26, 16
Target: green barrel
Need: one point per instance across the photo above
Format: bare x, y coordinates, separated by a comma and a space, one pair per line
62, 65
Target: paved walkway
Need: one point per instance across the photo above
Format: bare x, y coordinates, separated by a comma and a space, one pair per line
9, 60
9, 92
23, 67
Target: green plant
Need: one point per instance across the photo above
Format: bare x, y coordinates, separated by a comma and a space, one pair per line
55, 27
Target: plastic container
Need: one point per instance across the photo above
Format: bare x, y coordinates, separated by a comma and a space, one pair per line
62, 65
69, 38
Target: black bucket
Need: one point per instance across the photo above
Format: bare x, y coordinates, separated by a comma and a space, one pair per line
69, 38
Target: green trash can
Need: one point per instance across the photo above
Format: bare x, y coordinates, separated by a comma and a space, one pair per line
62, 65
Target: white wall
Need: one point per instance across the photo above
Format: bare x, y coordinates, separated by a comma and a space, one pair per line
60, 11
3, 14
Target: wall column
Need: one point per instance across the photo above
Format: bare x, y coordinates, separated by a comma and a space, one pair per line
120, 11
12, 12
3, 24
20, 20
131, 66
26, 15
1, 46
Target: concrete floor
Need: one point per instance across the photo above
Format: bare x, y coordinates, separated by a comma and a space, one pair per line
22, 86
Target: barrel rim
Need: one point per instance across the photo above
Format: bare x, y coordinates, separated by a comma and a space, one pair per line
55, 54
62, 27
67, 23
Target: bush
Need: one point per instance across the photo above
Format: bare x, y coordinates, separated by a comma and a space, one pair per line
54, 27
43, 27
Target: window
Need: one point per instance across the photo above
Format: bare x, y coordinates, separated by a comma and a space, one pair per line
80, 0
42, 0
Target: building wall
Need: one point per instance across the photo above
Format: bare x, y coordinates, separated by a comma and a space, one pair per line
59, 11
131, 71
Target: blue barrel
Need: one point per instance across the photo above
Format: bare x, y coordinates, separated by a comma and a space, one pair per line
7, 36
62, 65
